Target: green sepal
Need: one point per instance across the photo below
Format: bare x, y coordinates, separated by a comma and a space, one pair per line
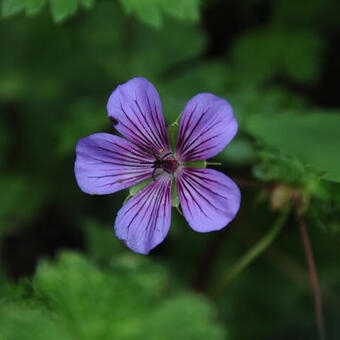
179, 210
127, 198
135, 189
173, 132
196, 164
174, 195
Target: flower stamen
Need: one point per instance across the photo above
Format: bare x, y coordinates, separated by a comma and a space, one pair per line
166, 163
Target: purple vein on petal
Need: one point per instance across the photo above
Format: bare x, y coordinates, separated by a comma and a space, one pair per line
184, 123
197, 181
144, 220
126, 159
207, 125
139, 135
151, 134
181, 185
101, 167
161, 130
192, 149
134, 154
136, 108
197, 193
190, 131
209, 199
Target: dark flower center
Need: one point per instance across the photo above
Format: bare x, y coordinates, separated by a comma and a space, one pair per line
167, 163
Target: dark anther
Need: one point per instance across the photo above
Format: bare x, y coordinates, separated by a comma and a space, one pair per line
168, 165
153, 173
114, 121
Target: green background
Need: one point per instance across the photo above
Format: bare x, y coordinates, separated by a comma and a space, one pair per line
63, 274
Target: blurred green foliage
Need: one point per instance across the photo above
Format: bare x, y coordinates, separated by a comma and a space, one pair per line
72, 299
274, 62
286, 53
60, 9
312, 136
149, 11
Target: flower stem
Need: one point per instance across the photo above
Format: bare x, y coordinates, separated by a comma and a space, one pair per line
252, 253
214, 163
179, 210
313, 276
127, 198
178, 118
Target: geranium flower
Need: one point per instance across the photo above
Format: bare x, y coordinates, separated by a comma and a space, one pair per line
107, 163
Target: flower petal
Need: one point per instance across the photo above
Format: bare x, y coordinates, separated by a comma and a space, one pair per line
209, 199
136, 112
207, 125
106, 163
144, 220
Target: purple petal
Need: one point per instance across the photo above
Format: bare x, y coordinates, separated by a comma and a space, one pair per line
136, 112
106, 163
209, 199
207, 126
144, 220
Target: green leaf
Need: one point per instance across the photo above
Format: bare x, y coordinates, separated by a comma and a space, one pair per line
10, 7
239, 152
278, 166
33, 7
83, 296
279, 52
101, 243
202, 77
144, 59
86, 3
61, 9
123, 302
85, 117
182, 9
313, 138
183, 317
18, 322
135, 189
73, 299
150, 11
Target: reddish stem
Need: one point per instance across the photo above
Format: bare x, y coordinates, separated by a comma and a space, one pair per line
313, 276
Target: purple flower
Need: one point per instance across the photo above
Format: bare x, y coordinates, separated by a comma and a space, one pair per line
107, 163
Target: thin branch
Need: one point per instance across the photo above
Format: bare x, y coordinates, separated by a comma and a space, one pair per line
252, 253
313, 277
295, 272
